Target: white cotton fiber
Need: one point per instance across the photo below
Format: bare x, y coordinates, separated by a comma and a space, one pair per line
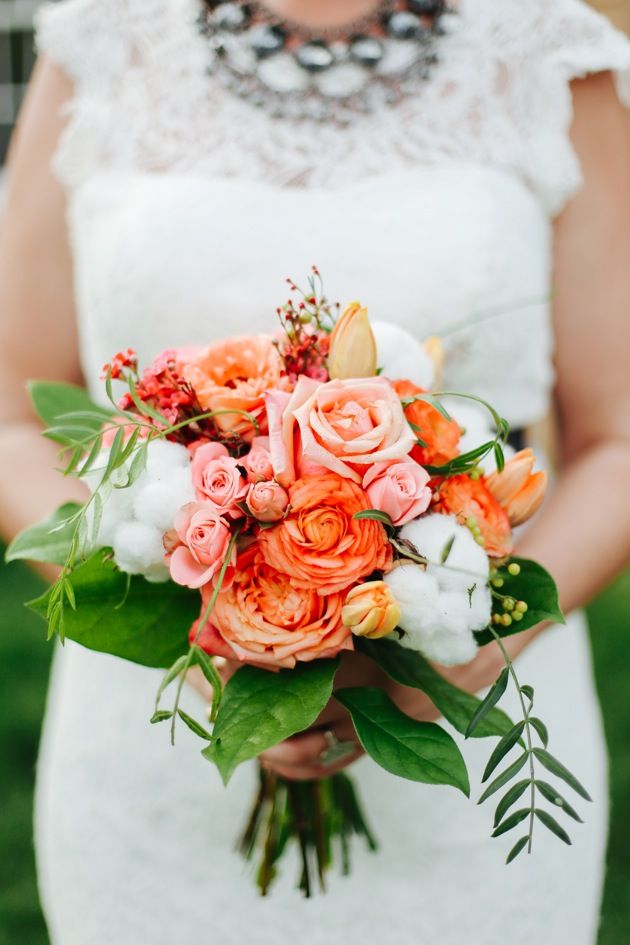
135, 518
442, 606
400, 356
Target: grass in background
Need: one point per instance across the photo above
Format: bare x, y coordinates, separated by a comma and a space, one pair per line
24, 662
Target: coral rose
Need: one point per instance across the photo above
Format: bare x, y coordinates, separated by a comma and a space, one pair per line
398, 488
347, 425
232, 375
217, 479
200, 546
319, 544
264, 619
371, 610
439, 435
474, 505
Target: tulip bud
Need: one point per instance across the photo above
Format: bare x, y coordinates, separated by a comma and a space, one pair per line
435, 349
352, 345
519, 490
371, 610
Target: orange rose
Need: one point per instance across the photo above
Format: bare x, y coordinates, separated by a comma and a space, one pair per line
264, 619
474, 505
440, 435
319, 543
232, 375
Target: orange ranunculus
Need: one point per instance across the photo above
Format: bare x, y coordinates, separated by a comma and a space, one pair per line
473, 504
319, 544
232, 375
519, 490
440, 435
264, 619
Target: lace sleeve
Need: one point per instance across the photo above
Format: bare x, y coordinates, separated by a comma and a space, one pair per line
85, 38
568, 40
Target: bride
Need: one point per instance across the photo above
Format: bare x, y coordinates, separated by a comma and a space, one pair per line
175, 161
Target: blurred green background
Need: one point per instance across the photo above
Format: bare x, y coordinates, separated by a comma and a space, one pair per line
24, 661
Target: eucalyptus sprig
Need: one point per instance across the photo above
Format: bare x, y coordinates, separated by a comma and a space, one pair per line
523, 735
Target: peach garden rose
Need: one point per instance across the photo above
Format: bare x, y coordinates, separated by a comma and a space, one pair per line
232, 375
265, 619
401, 489
217, 479
199, 544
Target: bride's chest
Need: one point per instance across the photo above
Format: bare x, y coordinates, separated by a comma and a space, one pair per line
166, 259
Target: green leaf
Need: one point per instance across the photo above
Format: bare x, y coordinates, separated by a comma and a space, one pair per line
376, 515
52, 400
506, 744
541, 729
552, 824
549, 793
511, 797
537, 588
419, 751
512, 821
555, 767
160, 716
211, 674
446, 550
194, 726
411, 669
516, 849
528, 692
491, 699
261, 708
48, 540
151, 628
173, 672
504, 777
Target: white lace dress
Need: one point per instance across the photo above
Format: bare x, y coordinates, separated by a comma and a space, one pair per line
187, 208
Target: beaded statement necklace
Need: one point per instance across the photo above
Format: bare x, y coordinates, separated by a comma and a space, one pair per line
333, 74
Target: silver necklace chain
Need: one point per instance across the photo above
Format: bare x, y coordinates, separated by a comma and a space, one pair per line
333, 75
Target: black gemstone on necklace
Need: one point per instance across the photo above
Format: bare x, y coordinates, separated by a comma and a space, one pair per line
426, 7
230, 16
404, 25
314, 56
366, 50
266, 40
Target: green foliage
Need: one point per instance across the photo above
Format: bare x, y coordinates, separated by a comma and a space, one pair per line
533, 585
49, 540
411, 669
261, 708
152, 627
67, 410
419, 751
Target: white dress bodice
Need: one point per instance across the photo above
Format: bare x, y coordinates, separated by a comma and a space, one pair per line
187, 208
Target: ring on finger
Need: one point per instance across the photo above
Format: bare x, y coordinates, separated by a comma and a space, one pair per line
335, 750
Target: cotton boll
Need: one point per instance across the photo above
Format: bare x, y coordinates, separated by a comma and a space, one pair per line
479, 607
163, 456
137, 548
467, 562
416, 593
401, 356
157, 503
450, 649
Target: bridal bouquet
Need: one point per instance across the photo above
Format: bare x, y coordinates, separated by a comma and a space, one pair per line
278, 501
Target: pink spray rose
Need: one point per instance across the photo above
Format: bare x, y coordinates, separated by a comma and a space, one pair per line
398, 488
258, 460
217, 479
204, 537
267, 501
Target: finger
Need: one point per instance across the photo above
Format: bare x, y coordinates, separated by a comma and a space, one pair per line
308, 747
313, 771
